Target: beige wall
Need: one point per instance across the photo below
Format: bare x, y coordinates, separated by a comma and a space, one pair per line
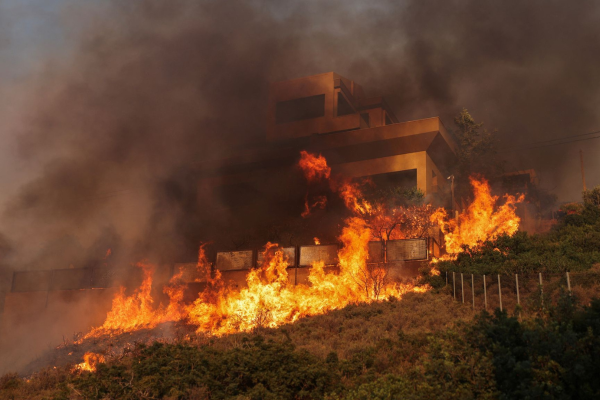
384, 165
420, 161
441, 180
393, 131
305, 87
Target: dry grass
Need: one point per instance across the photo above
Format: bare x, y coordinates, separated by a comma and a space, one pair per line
357, 332
362, 326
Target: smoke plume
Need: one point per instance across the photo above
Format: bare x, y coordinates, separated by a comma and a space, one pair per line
153, 90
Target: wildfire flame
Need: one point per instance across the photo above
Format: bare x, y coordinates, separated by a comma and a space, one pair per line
130, 313
317, 241
352, 195
90, 362
270, 300
314, 167
481, 221
318, 202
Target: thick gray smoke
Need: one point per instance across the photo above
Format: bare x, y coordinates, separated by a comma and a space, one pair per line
114, 131
154, 89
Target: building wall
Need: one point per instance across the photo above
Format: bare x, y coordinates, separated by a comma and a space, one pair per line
436, 180
402, 129
305, 87
403, 162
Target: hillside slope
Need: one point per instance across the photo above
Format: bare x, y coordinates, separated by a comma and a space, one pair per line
423, 346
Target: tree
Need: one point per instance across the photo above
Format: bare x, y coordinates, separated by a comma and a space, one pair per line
477, 152
397, 213
592, 196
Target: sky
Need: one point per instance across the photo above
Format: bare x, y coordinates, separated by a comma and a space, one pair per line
30, 32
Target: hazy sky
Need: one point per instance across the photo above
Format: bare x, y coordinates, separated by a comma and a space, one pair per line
30, 32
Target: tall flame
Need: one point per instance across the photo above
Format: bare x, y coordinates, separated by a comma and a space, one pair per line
137, 311
481, 221
270, 300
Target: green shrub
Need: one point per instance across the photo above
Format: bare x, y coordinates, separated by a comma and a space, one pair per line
555, 357
258, 370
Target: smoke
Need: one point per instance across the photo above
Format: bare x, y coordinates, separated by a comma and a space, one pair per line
111, 134
153, 90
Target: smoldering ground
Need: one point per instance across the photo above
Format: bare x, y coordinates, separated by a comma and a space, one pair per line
115, 130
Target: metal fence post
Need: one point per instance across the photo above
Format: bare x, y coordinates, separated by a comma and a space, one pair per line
462, 288
499, 292
541, 290
454, 285
473, 289
568, 283
517, 281
518, 298
484, 293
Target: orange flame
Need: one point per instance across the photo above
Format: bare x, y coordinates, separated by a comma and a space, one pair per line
90, 362
317, 241
352, 196
319, 202
481, 221
130, 313
270, 300
314, 167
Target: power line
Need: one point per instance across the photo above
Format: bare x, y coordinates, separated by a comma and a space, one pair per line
554, 142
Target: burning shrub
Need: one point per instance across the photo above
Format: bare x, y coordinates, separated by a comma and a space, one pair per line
572, 245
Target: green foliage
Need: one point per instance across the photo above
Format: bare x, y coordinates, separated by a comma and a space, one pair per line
257, 370
554, 358
448, 367
592, 196
477, 152
413, 195
394, 196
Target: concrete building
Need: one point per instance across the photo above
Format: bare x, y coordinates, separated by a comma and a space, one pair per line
359, 135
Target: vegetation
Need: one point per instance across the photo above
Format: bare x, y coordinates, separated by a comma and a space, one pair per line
592, 196
573, 244
477, 153
555, 355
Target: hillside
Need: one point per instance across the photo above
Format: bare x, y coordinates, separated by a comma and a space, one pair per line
429, 343
424, 346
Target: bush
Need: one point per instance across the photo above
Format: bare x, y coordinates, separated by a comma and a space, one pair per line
258, 370
555, 357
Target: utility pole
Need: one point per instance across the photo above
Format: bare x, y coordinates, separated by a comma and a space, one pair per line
582, 170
